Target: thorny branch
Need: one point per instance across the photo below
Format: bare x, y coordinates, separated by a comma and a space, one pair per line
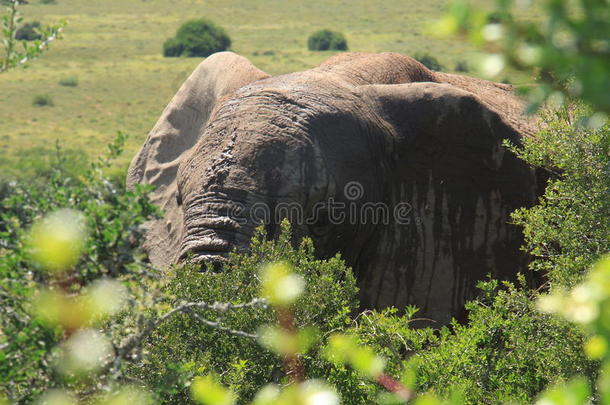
42, 46
186, 308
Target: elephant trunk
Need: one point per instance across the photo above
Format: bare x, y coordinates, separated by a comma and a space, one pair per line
256, 153
215, 224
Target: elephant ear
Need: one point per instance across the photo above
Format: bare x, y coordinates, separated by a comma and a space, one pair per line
443, 117
178, 129
449, 164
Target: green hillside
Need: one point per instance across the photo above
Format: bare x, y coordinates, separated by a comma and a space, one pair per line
113, 48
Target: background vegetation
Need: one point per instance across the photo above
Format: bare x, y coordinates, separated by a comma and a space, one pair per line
197, 38
114, 47
325, 40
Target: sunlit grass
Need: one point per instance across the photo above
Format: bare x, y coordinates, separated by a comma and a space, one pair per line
114, 48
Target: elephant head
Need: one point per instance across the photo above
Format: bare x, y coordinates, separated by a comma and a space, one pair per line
400, 169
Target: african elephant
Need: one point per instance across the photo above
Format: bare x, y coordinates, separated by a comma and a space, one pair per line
365, 132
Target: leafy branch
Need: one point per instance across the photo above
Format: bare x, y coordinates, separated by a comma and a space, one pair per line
123, 351
187, 308
12, 57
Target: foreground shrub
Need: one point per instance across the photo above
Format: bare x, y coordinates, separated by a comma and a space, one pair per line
573, 70
508, 351
327, 40
111, 249
29, 32
184, 346
197, 38
429, 61
568, 230
42, 100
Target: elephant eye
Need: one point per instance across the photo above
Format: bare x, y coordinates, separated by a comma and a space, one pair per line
178, 197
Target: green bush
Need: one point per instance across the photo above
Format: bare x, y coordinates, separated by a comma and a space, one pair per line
173, 48
197, 38
70, 81
568, 230
184, 346
327, 40
29, 32
42, 100
507, 353
112, 249
429, 61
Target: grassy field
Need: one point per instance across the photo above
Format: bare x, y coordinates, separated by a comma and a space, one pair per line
113, 48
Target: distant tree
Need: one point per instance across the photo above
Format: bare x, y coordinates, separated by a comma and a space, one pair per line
173, 48
197, 38
327, 40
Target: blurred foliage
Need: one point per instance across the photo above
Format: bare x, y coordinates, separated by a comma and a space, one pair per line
113, 217
569, 50
291, 384
197, 38
327, 40
587, 304
113, 214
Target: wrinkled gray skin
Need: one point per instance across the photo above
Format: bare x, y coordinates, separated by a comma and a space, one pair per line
234, 138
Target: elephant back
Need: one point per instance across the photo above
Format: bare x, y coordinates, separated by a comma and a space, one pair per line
376, 68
